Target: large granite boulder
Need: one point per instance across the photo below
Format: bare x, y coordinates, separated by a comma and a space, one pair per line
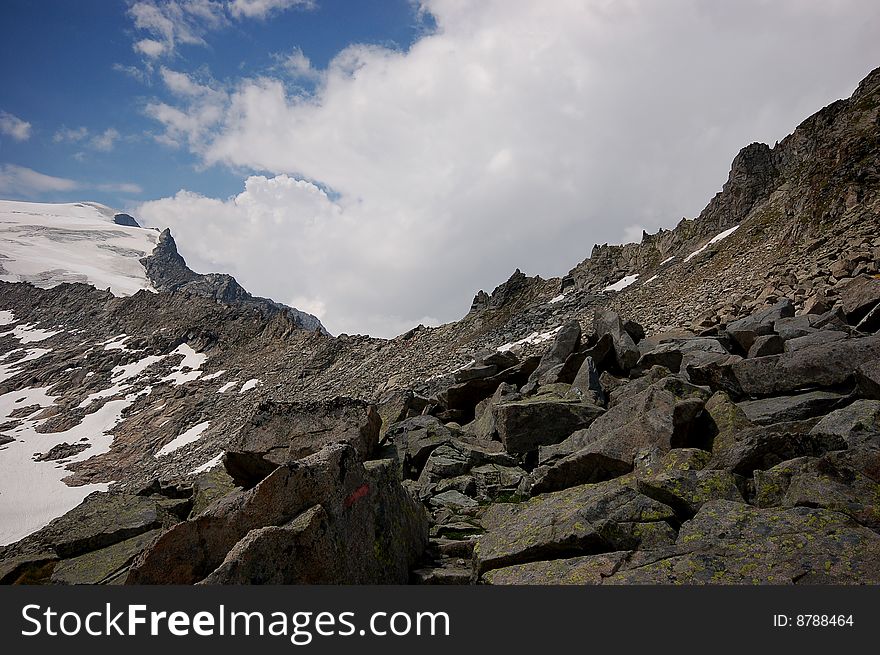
727, 542
626, 352
746, 330
277, 433
659, 418
525, 425
577, 521
368, 527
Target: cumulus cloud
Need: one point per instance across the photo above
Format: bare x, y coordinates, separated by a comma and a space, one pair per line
297, 65
274, 236
14, 127
203, 109
515, 135
25, 182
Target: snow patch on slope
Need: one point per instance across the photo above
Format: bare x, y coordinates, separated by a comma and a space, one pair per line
32, 493
622, 283
47, 244
713, 240
184, 439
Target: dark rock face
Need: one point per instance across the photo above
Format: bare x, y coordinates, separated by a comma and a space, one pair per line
125, 219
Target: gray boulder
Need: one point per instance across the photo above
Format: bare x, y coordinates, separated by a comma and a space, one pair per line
855, 424
586, 386
767, 344
285, 432
659, 418
868, 379
728, 542
824, 365
626, 353
567, 341
745, 330
578, 521
525, 425
858, 297
842, 481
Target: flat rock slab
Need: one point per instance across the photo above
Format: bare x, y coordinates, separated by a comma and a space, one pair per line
588, 570
728, 543
825, 365
101, 520
525, 425
732, 543
791, 408
582, 520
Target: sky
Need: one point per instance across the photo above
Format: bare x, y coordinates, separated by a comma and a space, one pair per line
377, 162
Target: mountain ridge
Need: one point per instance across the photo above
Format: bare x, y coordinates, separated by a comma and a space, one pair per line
710, 352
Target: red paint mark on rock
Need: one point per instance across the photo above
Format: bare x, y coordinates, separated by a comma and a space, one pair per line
357, 494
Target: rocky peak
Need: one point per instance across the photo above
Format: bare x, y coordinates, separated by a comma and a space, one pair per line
516, 286
168, 272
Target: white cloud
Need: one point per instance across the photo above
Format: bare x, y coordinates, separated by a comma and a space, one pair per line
70, 135
28, 182
150, 47
14, 127
516, 135
22, 181
105, 140
203, 110
165, 24
297, 65
121, 187
262, 8
168, 23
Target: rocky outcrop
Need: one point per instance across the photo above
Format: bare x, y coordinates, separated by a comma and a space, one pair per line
168, 272
328, 518
278, 433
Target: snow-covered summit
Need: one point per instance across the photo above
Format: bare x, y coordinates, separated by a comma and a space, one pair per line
47, 244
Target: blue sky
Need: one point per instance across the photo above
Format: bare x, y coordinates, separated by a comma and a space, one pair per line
377, 162
71, 65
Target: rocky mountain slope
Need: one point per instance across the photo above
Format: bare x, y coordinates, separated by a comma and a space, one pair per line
701, 407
